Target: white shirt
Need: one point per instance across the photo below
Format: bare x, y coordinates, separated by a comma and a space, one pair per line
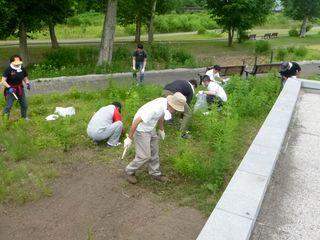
218, 91
212, 75
150, 113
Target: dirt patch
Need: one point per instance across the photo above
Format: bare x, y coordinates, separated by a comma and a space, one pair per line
94, 200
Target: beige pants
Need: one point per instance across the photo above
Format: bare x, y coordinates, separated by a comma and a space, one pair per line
147, 151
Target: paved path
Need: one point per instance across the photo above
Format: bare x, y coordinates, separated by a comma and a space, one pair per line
291, 208
62, 84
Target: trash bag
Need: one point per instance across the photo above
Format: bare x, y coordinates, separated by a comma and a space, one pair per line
63, 112
201, 103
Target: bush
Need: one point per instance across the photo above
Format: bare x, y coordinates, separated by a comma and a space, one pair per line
262, 47
130, 29
301, 51
281, 54
121, 53
293, 33
201, 30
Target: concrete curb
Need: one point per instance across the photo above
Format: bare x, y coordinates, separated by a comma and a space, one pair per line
235, 214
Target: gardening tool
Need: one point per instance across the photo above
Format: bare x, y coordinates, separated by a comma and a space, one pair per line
124, 153
15, 96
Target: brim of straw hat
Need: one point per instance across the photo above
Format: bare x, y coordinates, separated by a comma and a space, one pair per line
174, 104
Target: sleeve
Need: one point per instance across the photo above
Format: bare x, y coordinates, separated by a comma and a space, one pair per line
145, 54
212, 87
116, 115
25, 73
6, 73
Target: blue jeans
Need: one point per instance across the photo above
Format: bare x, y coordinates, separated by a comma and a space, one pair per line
9, 103
139, 66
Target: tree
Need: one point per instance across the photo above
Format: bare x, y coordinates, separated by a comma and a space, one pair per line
109, 27
54, 12
304, 10
239, 15
151, 21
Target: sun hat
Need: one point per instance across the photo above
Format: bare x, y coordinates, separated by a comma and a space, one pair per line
177, 101
284, 66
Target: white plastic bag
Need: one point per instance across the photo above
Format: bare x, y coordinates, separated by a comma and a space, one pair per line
63, 112
201, 103
52, 117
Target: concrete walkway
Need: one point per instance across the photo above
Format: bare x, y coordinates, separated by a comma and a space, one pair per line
291, 207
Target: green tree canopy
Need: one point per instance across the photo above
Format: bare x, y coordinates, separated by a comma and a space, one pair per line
239, 15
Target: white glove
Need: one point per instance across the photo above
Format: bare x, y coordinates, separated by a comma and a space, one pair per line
162, 134
142, 70
133, 68
127, 142
200, 92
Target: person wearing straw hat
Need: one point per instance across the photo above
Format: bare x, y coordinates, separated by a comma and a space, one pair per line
13, 78
143, 130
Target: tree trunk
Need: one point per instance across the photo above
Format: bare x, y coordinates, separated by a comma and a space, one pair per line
303, 28
138, 30
230, 36
151, 22
53, 37
23, 44
109, 28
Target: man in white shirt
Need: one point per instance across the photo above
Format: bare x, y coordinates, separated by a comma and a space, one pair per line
214, 75
214, 91
143, 130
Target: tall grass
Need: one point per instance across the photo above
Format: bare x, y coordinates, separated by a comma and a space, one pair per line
219, 139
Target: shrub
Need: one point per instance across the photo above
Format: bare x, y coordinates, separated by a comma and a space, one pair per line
121, 53
130, 29
301, 51
181, 56
262, 47
201, 30
293, 33
281, 54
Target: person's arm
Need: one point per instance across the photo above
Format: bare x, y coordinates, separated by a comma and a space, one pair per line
26, 80
4, 82
161, 123
133, 62
134, 126
212, 92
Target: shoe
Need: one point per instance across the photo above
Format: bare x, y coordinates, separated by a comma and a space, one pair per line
130, 178
160, 178
186, 135
113, 145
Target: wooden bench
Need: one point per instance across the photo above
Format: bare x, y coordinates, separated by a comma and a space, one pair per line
266, 36
262, 68
252, 36
226, 71
274, 35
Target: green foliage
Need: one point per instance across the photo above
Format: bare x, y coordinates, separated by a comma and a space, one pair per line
262, 47
301, 51
183, 22
293, 33
86, 19
291, 53
299, 10
282, 54
201, 31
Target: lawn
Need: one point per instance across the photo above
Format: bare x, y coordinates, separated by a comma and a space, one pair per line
34, 152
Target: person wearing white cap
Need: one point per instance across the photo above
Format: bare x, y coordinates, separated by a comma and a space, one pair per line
13, 78
288, 70
143, 130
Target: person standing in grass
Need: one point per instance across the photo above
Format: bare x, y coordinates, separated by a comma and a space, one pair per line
106, 124
143, 130
187, 89
288, 70
214, 92
13, 78
139, 62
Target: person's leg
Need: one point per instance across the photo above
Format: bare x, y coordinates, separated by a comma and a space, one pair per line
116, 129
141, 73
9, 103
154, 163
23, 105
186, 118
113, 130
143, 152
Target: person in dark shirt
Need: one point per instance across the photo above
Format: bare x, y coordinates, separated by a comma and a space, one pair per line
287, 70
139, 61
13, 78
187, 89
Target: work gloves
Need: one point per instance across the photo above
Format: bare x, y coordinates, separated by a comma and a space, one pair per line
133, 68
29, 86
10, 90
142, 70
200, 92
127, 142
161, 134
